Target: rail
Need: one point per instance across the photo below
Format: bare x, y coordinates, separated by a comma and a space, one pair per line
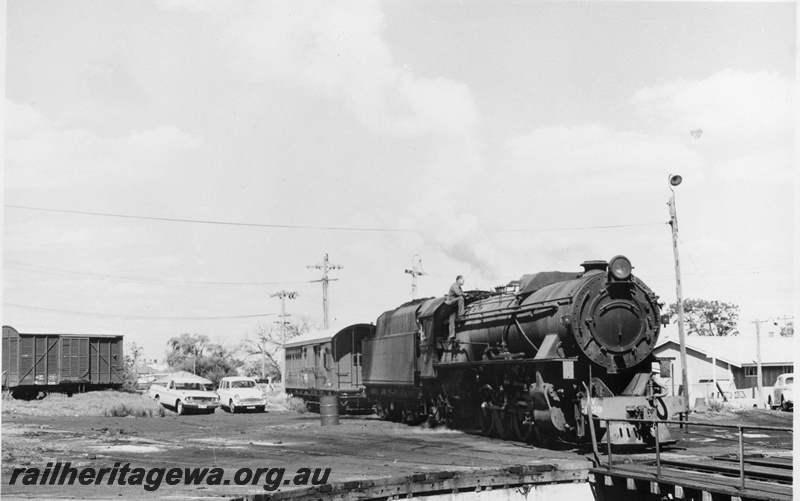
740, 429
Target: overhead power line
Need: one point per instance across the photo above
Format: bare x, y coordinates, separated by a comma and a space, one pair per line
142, 317
36, 268
204, 221
698, 269
317, 228
572, 228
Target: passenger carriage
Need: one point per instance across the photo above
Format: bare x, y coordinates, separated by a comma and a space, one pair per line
327, 363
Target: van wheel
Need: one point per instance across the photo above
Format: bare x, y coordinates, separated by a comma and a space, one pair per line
179, 407
231, 407
784, 405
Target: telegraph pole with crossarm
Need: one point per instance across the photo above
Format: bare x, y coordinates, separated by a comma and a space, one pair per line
415, 271
283, 295
325, 267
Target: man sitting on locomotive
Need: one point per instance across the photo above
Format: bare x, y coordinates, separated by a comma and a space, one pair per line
455, 295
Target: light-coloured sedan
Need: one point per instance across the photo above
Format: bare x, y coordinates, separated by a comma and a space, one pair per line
783, 393
239, 394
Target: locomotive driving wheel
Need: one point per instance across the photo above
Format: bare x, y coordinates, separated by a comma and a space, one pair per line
541, 439
503, 423
485, 420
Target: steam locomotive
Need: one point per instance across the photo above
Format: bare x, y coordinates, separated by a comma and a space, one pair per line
543, 358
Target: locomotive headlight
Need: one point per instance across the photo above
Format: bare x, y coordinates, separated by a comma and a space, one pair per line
620, 268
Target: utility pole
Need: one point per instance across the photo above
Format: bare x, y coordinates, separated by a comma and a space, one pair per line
673, 222
283, 295
758, 360
415, 271
326, 266
786, 320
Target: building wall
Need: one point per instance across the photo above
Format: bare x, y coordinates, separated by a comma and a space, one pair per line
699, 368
769, 374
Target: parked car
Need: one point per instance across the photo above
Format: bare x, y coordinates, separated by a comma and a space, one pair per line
240, 394
185, 393
783, 393
736, 399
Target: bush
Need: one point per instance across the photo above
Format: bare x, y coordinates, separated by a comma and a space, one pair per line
96, 403
296, 404
136, 409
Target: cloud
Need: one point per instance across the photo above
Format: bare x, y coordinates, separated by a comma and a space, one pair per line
41, 155
735, 109
597, 154
23, 119
593, 174
336, 50
554, 177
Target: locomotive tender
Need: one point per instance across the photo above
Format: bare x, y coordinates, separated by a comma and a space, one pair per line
537, 360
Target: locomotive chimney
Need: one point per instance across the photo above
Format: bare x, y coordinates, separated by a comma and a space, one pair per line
594, 265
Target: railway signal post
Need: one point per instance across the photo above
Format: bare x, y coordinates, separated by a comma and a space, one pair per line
675, 180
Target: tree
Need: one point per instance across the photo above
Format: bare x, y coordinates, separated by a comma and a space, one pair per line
133, 353
217, 363
130, 371
185, 350
195, 353
788, 329
266, 344
707, 318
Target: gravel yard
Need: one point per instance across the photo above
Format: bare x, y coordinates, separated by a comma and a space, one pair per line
361, 447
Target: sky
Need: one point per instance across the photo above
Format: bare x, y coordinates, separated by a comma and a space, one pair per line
170, 166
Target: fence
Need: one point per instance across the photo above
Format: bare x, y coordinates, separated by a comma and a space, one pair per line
697, 430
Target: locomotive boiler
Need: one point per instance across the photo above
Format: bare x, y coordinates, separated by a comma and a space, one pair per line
543, 358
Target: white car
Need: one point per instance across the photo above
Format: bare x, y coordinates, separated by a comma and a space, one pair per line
736, 399
185, 394
783, 393
241, 393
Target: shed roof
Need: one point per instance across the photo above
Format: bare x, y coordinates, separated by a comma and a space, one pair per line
189, 376
736, 350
